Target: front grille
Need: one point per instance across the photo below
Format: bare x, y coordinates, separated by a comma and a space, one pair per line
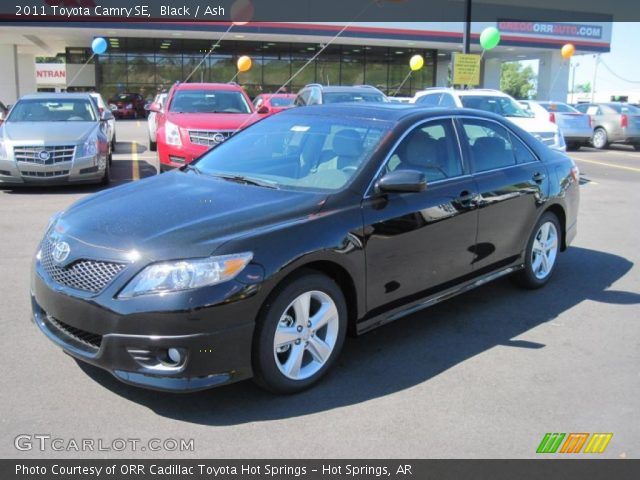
548, 138
87, 275
44, 155
88, 339
53, 173
209, 138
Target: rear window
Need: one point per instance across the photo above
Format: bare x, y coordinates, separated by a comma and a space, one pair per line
558, 107
209, 101
624, 108
281, 102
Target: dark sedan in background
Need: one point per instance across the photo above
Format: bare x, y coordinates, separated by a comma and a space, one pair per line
257, 258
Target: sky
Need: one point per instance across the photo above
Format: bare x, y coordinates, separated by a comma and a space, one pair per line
623, 60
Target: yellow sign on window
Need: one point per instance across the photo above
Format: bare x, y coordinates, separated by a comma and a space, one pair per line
466, 69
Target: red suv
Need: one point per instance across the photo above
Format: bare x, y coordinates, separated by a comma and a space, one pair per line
198, 116
270, 103
128, 105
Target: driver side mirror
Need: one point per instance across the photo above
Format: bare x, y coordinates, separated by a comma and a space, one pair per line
106, 115
155, 107
402, 181
263, 109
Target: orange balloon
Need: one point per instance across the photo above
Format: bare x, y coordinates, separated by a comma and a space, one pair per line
567, 51
244, 63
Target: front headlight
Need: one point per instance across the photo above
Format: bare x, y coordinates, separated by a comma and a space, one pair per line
172, 134
90, 146
186, 274
4, 151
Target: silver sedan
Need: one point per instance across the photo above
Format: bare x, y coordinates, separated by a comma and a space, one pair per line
55, 139
575, 126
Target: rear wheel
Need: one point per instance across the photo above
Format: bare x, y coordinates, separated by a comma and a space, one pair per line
572, 146
541, 254
600, 138
300, 333
636, 147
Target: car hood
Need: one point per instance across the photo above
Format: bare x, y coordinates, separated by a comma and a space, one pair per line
534, 124
181, 214
212, 121
47, 132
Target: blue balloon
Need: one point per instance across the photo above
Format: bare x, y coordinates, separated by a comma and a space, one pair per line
99, 45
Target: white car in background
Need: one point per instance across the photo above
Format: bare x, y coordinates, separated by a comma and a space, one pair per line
575, 126
152, 123
496, 102
111, 120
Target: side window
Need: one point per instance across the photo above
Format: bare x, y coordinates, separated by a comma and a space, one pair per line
430, 100
593, 110
431, 149
521, 151
489, 144
302, 98
447, 100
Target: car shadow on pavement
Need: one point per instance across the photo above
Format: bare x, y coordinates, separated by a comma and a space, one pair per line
408, 352
128, 148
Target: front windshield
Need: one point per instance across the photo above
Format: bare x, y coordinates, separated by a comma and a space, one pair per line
209, 101
504, 106
348, 97
53, 110
302, 152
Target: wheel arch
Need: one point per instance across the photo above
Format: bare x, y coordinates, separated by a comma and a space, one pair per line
558, 211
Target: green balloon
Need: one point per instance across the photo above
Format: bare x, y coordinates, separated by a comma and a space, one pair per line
489, 38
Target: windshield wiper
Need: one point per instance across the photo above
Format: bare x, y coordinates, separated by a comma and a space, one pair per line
247, 180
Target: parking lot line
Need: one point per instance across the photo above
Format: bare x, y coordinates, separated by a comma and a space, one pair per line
135, 169
623, 167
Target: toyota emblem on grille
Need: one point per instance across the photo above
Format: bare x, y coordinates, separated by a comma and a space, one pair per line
44, 155
61, 251
218, 138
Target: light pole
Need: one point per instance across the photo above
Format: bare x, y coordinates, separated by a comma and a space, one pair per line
466, 39
595, 76
573, 80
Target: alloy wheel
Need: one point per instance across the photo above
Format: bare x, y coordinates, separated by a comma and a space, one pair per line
544, 250
306, 335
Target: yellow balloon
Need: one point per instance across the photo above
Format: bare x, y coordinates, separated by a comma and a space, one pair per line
416, 62
244, 63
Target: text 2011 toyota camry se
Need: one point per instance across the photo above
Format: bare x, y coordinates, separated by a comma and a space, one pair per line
256, 259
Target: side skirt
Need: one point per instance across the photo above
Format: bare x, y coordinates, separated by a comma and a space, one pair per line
397, 313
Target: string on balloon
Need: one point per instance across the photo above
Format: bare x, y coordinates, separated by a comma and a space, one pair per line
98, 46
213, 47
415, 63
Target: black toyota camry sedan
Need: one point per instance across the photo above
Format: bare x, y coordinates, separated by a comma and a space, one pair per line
257, 259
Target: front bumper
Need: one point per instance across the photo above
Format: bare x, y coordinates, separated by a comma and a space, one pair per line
79, 170
132, 342
172, 156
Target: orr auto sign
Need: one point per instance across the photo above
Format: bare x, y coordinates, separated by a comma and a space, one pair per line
51, 74
556, 29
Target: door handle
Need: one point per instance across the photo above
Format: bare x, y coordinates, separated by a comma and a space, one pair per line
538, 177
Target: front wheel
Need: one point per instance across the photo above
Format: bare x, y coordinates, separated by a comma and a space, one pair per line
299, 334
541, 254
153, 146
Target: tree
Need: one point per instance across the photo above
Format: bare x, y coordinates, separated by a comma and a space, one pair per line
516, 80
583, 87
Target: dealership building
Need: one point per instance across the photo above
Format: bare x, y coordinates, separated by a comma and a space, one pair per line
149, 57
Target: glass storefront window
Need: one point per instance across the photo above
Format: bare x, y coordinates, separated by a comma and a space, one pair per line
153, 65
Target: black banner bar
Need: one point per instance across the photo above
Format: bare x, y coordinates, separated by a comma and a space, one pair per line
578, 469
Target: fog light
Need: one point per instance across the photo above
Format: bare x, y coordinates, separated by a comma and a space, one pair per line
174, 355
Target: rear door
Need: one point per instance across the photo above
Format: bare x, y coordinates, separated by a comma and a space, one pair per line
512, 184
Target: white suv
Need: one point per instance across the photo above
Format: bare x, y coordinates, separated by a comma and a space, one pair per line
497, 102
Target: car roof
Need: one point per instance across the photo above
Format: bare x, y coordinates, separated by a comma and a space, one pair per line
473, 91
350, 88
208, 86
394, 112
61, 96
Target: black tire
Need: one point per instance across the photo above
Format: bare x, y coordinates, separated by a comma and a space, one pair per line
113, 143
600, 138
106, 178
153, 146
266, 372
636, 147
526, 277
572, 147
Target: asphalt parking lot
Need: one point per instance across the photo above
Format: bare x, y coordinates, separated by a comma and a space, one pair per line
485, 375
